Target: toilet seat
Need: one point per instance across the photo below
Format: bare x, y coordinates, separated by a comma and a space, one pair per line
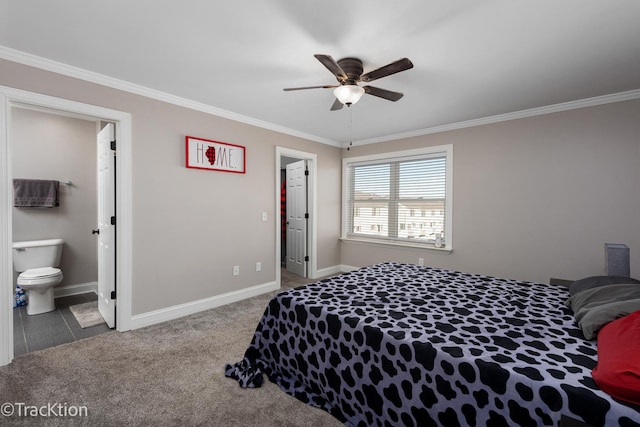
36, 276
34, 273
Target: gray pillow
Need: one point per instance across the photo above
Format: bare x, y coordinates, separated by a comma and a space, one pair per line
597, 281
599, 316
593, 308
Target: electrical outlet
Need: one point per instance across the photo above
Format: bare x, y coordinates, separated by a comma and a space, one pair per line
236, 270
421, 262
258, 266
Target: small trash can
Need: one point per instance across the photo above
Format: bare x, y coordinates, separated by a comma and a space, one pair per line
21, 298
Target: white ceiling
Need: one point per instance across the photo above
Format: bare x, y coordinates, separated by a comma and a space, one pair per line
472, 59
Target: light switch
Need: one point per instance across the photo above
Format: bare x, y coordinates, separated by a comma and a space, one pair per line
264, 216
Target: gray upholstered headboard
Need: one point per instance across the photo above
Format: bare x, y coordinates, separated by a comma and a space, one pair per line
560, 282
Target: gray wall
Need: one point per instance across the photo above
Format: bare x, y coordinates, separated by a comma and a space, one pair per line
190, 227
535, 198
50, 146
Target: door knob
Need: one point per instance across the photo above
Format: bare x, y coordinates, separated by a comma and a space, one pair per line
96, 231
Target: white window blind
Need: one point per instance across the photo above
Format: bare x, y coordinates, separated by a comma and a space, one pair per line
399, 199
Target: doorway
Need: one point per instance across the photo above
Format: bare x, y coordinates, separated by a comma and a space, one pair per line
296, 242
47, 145
12, 98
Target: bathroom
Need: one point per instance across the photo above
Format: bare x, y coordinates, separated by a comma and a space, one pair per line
50, 146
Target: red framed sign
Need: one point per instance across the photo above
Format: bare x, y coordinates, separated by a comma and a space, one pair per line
214, 155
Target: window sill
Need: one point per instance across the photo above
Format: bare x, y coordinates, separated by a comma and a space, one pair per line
446, 250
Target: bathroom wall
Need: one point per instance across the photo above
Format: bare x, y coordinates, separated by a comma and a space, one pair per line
50, 146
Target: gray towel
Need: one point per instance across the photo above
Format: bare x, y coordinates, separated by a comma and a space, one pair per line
37, 193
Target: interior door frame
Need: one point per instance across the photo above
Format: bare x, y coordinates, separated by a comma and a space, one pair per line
312, 191
9, 98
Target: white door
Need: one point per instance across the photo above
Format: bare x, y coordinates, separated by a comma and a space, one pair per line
297, 218
106, 230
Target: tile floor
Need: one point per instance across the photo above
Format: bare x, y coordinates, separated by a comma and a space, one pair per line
40, 331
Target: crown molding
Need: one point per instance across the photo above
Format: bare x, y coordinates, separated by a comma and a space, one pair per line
555, 108
93, 77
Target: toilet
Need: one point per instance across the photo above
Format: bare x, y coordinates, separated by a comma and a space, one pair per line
37, 262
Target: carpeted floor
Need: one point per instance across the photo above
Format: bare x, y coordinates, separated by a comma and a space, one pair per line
170, 374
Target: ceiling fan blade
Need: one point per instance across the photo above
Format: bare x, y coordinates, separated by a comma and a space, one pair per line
383, 93
332, 66
395, 67
337, 105
310, 87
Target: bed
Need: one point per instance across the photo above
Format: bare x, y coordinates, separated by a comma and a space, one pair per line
399, 344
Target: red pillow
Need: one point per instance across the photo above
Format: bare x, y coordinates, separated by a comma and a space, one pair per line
618, 369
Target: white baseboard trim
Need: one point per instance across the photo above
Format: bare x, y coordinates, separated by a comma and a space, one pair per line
80, 288
336, 269
181, 310
329, 271
348, 268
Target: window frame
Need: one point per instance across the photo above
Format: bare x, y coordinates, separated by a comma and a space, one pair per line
404, 155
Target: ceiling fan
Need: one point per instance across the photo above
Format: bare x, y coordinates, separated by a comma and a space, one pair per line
348, 71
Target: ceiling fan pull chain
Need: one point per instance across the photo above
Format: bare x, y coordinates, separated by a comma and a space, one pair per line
350, 129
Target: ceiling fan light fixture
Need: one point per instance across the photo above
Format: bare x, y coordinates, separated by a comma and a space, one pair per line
348, 94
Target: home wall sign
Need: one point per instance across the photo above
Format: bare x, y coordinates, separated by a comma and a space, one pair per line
214, 155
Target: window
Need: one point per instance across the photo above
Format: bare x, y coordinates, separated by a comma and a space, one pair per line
389, 190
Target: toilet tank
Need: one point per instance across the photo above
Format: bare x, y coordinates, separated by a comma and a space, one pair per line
36, 254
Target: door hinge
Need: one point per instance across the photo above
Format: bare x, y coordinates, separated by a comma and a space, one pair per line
306, 258
306, 172
113, 145
113, 220
113, 294
306, 216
